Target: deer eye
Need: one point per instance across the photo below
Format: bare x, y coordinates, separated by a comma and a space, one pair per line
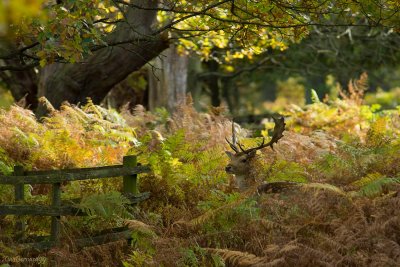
244, 160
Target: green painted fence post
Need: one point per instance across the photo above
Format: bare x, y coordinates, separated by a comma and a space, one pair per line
130, 181
19, 199
55, 220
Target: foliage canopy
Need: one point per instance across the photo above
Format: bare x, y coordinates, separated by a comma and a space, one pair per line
46, 31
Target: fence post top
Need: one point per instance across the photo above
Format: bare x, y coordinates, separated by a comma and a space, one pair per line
130, 160
130, 156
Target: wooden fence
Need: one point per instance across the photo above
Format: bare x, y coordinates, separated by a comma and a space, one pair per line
129, 170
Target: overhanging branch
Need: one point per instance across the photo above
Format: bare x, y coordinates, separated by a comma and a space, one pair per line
19, 68
19, 51
236, 73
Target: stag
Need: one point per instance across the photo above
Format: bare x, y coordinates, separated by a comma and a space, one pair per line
240, 161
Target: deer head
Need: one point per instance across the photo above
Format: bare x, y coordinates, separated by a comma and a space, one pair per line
239, 164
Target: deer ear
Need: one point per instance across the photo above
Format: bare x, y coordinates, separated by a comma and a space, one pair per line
230, 154
251, 154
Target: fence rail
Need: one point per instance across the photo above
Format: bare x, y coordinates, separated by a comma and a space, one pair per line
129, 170
59, 176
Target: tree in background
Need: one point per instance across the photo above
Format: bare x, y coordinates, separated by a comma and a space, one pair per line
323, 58
68, 50
344, 52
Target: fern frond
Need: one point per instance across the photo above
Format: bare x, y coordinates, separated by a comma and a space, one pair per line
271, 225
237, 258
27, 139
90, 107
367, 179
211, 214
105, 205
323, 186
46, 103
376, 187
138, 226
5, 169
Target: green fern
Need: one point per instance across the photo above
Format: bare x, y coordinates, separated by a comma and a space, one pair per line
107, 205
225, 211
377, 186
5, 163
137, 259
27, 139
352, 161
368, 179
197, 256
284, 170
5, 169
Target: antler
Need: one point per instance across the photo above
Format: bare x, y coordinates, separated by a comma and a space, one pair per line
234, 140
276, 135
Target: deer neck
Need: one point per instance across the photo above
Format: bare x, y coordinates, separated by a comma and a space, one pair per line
241, 182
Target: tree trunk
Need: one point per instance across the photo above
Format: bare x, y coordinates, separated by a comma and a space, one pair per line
129, 93
168, 80
227, 92
108, 66
23, 83
194, 83
213, 84
23, 86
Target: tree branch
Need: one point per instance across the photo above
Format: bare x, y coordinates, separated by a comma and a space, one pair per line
19, 51
19, 68
236, 73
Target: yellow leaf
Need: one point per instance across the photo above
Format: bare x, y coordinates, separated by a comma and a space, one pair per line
43, 62
41, 54
175, 162
229, 68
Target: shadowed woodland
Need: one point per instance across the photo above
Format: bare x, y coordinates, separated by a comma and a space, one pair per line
267, 133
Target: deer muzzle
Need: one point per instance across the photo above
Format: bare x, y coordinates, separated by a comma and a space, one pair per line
229, 169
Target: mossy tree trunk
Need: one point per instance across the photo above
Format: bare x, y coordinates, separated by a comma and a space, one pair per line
107, 67
168, 79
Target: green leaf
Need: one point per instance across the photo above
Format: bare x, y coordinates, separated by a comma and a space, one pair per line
314, 96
